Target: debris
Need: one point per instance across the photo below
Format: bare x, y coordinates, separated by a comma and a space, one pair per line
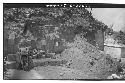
83, 56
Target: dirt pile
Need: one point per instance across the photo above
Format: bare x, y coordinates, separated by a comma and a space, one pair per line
83, 56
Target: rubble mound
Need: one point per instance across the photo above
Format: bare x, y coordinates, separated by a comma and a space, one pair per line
83, 56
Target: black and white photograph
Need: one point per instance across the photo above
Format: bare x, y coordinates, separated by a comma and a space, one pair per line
63, 41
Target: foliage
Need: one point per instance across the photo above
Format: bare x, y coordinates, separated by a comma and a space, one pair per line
69, 17
41, 23
120, 36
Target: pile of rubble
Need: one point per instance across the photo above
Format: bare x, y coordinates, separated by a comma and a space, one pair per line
83, 56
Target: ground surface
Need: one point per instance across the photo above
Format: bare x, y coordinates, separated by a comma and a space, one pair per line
49, 72
52, 71
18, 75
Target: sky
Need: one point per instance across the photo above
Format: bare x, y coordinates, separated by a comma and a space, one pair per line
111, 16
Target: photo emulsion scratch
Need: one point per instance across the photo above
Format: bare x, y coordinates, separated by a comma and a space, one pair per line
63, 41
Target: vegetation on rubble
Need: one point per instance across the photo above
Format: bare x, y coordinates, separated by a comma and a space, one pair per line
41, 23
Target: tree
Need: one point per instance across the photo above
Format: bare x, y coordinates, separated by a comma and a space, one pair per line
120, 36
